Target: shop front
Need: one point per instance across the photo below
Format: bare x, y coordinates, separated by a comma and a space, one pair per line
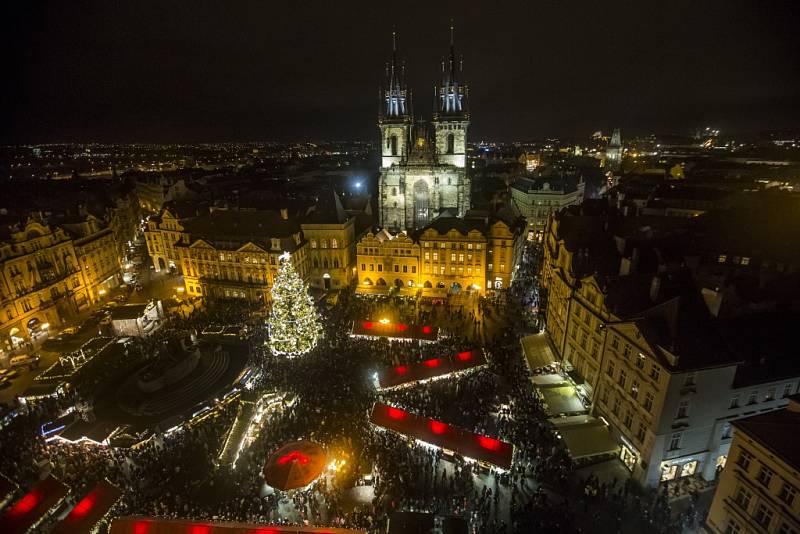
684, 467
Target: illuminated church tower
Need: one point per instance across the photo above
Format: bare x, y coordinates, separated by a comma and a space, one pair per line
423, 173
613, 156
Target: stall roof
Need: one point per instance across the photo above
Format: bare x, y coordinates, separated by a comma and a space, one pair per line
587, 438
463, 442
128, 311
562, 400
395, 330
151, 525
89, 510
431, 368
538, 350
33, 506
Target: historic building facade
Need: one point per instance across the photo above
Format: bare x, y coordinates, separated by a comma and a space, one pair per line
41, 284
233, 254
647, 355
448, 256
423, 172
759, 486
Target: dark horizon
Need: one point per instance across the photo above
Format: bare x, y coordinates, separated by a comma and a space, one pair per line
185, 73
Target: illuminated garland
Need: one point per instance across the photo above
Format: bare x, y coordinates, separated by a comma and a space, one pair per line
294, 326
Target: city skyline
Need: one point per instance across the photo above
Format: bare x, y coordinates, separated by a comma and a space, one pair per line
211, 73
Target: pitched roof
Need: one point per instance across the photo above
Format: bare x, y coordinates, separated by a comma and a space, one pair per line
241, 226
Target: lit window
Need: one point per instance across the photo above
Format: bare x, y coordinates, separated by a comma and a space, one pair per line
722, 258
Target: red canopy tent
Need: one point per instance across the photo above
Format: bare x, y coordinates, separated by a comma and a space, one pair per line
395, 330
90, 509
33, 506
463, 442
431, 368
148, 525
295, 465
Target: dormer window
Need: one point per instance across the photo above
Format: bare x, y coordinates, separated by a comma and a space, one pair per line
276, 243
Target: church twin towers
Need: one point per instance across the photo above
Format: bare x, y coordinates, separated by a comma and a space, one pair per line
423, 174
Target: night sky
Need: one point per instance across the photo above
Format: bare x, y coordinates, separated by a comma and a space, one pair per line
188, 71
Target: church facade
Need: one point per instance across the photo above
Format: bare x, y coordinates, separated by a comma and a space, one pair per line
423, 165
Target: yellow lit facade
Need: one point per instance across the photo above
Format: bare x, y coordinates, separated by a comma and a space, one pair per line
227, 254
41, 283
452, 259
759, 485
96, 250
385, 261
161, 235
331, 252
447, 256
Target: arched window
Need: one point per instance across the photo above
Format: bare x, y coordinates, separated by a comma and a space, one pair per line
421, 203
313, 243
334, 243
335, 263
451, 143
393, 144
324, 243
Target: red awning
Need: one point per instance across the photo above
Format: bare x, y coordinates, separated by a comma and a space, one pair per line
395, 330
32, 507
463, 442
405, 374
149, 525
90, 509
295, 465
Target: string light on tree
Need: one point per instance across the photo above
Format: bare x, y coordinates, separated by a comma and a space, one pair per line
294, 325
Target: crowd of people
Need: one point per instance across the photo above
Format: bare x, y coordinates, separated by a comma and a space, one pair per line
178, 475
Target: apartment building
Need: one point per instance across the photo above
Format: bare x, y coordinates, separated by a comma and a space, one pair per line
449, 255
41, 284
634, 332
235, 253
758, 489
537, 198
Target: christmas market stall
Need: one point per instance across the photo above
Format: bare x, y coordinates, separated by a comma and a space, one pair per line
483, 449
152, 525
431, 369
295, 465
89, 511
34, 507
385, 328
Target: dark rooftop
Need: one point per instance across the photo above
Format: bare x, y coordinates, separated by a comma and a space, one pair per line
776, 431
767, 344
241, 226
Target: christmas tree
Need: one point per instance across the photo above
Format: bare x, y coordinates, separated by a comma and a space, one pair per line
294, 326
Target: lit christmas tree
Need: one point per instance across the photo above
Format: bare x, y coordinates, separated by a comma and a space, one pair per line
294, 326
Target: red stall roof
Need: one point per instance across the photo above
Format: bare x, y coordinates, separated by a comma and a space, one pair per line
33, 506
90, 509
150, 525
464, 442
432, 368
395, 330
